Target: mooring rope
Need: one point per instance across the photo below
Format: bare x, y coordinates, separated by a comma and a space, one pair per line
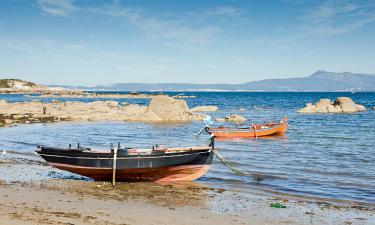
225, 163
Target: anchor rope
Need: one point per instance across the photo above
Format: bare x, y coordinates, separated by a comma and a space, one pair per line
225, 163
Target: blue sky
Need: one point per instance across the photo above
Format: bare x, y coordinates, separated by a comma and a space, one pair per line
97, 42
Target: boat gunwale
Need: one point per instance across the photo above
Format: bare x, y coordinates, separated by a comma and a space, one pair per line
110, 156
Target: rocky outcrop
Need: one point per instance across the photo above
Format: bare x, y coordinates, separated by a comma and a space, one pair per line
208, 108
165, 108
160, 109
235, 118
220, 120
231, 118
340, 105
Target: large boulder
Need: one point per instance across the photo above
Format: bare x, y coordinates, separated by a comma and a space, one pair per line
344, 101
347, 104
168, 109
341, 105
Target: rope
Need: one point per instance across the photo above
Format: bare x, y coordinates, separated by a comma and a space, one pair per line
231, 168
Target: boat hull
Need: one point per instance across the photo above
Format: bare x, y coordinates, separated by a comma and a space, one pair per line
183, 166
160, 174
247, 133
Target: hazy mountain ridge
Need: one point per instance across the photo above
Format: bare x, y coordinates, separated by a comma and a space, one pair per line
318, 81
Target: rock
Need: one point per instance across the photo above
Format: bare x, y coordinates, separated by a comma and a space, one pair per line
331, 108
341, 105
360, 108
347, 104
334, 109
338, 109
220, 120
324, 102
168, 108
310, 108
235, 118
161, 109
8, 121
373, 108
17, 117
208, 108
344, 100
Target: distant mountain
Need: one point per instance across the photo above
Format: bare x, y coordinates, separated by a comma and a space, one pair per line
318, 81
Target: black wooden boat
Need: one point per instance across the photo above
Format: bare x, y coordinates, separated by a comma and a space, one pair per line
158, 163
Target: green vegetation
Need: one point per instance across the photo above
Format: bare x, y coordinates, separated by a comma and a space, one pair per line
5, 83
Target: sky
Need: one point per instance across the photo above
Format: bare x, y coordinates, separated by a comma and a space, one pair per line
89, 42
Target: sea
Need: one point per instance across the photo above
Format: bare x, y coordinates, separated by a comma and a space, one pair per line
328, 156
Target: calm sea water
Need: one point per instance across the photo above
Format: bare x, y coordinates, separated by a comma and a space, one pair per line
330, 156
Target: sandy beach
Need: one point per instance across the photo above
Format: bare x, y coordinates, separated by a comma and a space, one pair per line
34, 193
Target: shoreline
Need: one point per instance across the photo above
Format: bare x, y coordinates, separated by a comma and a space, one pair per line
51, 196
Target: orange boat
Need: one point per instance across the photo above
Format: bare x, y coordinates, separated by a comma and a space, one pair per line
249, 131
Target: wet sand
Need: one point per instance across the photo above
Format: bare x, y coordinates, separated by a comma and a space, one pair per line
34, 193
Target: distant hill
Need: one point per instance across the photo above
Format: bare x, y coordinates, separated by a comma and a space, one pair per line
318, 81
17, 84
26, 87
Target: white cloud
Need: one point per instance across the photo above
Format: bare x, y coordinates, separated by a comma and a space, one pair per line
57, 7
170, 29
228, 11
175, 31
321, 20
337, 17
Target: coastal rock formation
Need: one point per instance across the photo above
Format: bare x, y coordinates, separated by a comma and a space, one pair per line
220, 120
208, 108
235, 118
165, 108
340, 105
161, 109
231, 118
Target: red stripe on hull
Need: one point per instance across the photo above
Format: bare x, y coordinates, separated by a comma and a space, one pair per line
162, 174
